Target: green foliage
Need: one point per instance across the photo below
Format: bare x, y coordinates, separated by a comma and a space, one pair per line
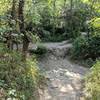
46, 16
92, 83
78, 46
40, 50
95, 25
77, 22
87, 48
33, 37
5, 6
18, 79
55, 38
95, 22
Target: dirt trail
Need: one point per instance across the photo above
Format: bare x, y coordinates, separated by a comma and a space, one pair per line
64, 77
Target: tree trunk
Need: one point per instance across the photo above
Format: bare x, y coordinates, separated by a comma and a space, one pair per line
54, 16
13, 15
65, 18
71, 19
22, 28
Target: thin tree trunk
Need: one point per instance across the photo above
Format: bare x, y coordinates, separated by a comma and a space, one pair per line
22, 28
65, 18
71, 14
9, 39
54, 17
89, 30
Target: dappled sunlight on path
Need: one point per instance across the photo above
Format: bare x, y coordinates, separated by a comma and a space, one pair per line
62, 85
65, 78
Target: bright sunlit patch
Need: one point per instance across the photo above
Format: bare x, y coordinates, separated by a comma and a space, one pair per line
66, 88
71, 74
85, 1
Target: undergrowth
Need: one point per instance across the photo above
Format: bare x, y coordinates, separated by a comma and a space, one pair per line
92, 83
18, 80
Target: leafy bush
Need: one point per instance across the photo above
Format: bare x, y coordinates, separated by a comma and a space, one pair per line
79, 46
92, 83
87, 48
18, 79
95, 24
39, 51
